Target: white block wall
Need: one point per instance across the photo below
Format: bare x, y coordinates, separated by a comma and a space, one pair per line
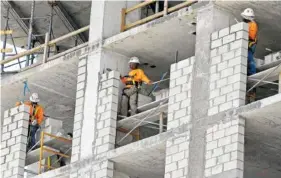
177, 153
107, 112
228, 73
272, 57
79, 106
14, 141
225, 148
179, 109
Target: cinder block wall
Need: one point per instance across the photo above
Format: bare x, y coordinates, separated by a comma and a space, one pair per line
14, 141
179, 109
228, 73
224, 156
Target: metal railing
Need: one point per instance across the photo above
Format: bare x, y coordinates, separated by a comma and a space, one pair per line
45, 46
157, 14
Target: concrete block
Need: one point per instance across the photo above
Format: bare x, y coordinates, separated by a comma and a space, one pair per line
241, 52
236, 164
215, 35
237, 138
82, 62
6, 136
222, 66
276, 56
208, 172
173, 123
178, 156
104, 148
213, 110
177, 173
185, 103
223, 32
186, 87
239, 26
5, 151
11, 141
9, 157
185, 119
224, 141
21, 116
175, 90
81, 78
113, 91
172, 150
240, 69
219, 100
173, 107
225, 106
216, 43
183, 63
75, 142
236, 95
80, 86
218, 134
214, 93
212, 145
234, 147
167, 175
7, 113
79, 94
22, 123
216, 60
110, 83
213, 69
214, 77
14, 111
181, 96
228, 39
240, 60
213, 85
217, 169
228, 55
3, 144
242, 35
18, 171
20, 131
224, 158
81, 70
109, 139
180, 113
7, 121
214, 52
172, 83
209, 137
19, 155
223, 49
106, 131
224, 125
239, 44
217, 152
237, 155
24, 108
12, 126
173, 67
8, 173
238, 102
182, 80
18, 147
176, 74
16, 163
239, 86
5, 129
113, 75
226, 89
226, 72
210, 162
208, 154
237, 78
183, 163
184, 146
21, 139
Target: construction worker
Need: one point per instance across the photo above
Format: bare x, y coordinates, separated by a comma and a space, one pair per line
133, 82
248, 17
35, 118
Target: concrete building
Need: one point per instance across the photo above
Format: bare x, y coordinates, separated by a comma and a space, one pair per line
198, 124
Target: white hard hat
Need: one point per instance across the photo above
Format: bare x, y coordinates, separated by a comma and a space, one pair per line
134, 60
34, 98
248, 14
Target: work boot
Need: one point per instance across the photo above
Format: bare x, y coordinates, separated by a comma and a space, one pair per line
251, 97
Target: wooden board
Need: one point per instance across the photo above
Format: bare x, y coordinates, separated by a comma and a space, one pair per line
33, 156
132, 121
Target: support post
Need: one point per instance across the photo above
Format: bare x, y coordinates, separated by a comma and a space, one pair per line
161, 123
46, 48
5, 39
50, 28
157, 7
123, 19
165, 7
41, 152
30, 32
279, 87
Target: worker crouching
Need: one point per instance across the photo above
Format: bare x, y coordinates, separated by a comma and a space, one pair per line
133, 83
36, 116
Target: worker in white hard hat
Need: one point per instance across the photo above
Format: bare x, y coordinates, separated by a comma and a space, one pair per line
133, 82
36, 116
248, 17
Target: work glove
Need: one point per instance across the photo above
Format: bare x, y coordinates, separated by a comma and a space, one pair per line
34, 122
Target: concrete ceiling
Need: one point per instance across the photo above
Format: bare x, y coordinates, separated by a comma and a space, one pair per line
268, 15
78, 11
55, 82
263, 141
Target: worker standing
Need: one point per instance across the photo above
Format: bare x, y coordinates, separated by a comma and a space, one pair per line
248, 17
133, 82
36, 115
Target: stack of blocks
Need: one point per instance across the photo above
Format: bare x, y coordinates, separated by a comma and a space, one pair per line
228, 73
180, 93
272, 57
225, 149
177, 153
107, 112
78, 118
14, 142
103, 169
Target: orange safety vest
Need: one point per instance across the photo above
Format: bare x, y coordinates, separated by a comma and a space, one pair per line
253, 33
135, 78
37, 113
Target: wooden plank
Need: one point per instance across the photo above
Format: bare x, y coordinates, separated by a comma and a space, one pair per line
123, 19
145, 3
33, 156
181, 5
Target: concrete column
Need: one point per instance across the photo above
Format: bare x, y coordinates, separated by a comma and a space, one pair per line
14, 142
228, 73
224, 155
209, 19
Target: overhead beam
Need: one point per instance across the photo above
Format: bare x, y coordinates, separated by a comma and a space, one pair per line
68, 21
17, 15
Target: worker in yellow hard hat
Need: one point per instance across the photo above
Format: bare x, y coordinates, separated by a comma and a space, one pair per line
133, 82
249, 17
36, 117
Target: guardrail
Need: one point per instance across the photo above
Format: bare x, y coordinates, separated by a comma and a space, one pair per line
45, 45
166, 10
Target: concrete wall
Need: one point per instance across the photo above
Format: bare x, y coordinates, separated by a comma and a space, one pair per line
14, 141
